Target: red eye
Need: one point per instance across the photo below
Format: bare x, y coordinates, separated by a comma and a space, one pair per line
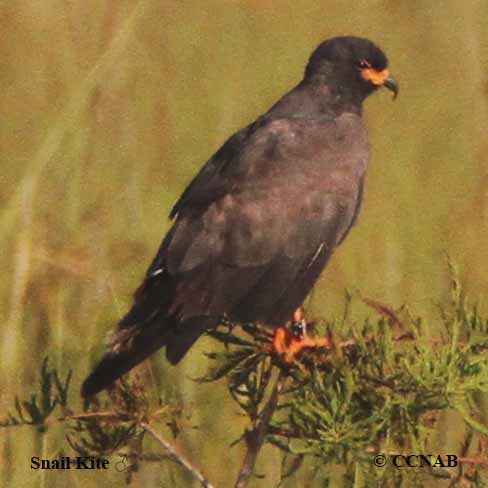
363, 64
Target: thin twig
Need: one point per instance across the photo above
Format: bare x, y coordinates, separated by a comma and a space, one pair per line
478, 460
100, 414
108, 415
255, 437
177, 457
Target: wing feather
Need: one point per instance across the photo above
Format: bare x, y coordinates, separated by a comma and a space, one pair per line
257, 217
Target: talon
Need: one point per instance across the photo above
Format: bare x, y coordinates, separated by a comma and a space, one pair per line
290, 342
297, 346
280, 340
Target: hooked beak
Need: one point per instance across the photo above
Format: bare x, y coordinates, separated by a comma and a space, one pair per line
392, 85
380, 78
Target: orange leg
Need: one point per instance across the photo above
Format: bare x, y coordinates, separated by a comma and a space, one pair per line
298, 315
290, 343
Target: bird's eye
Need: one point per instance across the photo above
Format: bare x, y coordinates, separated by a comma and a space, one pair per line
363, 64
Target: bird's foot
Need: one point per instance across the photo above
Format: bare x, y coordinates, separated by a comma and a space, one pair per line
289, 342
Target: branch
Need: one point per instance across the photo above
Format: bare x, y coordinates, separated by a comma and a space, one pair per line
255, 437
178, 458
478, 460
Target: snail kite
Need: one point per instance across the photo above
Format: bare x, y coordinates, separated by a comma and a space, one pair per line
255, 228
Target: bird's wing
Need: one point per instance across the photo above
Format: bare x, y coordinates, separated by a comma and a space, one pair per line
266, 205
210, 184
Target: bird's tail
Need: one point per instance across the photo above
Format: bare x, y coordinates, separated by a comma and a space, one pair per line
147, 327
127, 348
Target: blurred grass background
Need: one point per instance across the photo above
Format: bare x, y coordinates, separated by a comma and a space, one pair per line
108, 108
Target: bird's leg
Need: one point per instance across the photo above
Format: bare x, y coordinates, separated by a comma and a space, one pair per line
288, 342
285, 336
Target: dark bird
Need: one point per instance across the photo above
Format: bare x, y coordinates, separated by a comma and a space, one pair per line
255, 228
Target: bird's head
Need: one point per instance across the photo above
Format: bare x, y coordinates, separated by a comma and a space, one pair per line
354, 64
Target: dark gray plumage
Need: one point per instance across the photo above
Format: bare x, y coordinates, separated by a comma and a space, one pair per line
257, 225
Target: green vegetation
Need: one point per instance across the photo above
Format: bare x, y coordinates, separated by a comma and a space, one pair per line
384, 391
110, 107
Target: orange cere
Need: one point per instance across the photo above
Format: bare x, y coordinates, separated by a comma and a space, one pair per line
374, 76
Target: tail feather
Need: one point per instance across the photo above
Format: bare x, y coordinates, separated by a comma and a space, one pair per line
147, 327
182, 338
142, 331
122, 358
